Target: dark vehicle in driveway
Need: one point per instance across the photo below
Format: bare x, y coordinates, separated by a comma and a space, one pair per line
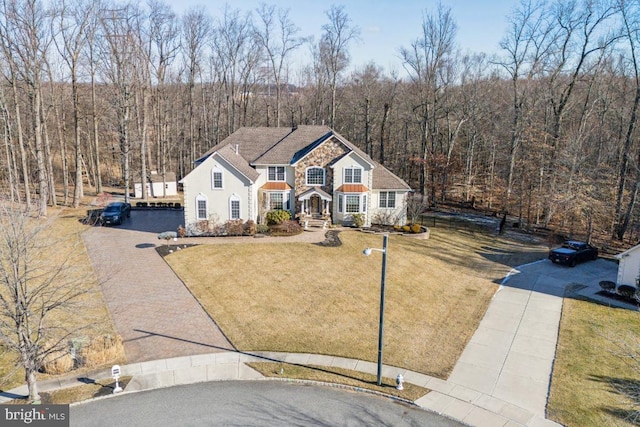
115, 213
573, 252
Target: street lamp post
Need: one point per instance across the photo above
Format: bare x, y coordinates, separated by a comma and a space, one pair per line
383, 276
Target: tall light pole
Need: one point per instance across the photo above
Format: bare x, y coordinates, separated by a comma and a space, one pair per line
383, 277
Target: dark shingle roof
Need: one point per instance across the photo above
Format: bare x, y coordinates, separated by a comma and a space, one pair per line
383, 179
284, 146
228, 153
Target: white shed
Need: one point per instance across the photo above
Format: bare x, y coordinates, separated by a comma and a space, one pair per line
629, 266
158, 186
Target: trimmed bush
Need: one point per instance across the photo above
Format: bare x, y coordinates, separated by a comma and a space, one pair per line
262, 229
608, 285
358, 220
234, 227
249, 228
278, 216
406, 228
626, 291
416, 228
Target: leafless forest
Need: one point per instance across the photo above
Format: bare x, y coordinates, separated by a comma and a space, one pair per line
98, 93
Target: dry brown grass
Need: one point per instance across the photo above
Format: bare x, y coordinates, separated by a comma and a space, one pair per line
588, 366
339, 376
88, 314
103, 351
311, 299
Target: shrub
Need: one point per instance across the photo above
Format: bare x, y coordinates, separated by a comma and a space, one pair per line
182, 231
608, 285
141, 204
416, 228
278, 216
358, 220
626, 291
233, 227
202, 226
406, 228
249, 228
262, 229
290, 227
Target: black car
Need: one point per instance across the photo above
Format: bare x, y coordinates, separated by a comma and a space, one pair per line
115, 213
573, 252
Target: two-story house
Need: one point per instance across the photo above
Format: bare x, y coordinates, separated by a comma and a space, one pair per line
311, 171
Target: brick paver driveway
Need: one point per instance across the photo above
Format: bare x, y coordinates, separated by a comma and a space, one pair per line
152, 310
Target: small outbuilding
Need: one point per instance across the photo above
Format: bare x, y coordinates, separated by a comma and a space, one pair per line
629, 267
158, 185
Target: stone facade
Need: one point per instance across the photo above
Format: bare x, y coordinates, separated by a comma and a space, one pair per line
322, 156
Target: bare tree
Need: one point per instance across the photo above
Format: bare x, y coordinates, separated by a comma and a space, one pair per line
25, 45
525, 45
164, 45
630, 14
196, 30
429, 62
118, 63
334, 50
41, 292
72, 23
279, 40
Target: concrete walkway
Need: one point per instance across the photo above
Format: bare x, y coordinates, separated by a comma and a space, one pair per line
501, 379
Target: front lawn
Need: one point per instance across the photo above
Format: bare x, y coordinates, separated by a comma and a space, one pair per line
591, 372
311, 299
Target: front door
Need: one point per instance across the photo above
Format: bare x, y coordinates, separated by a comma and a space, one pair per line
315, 205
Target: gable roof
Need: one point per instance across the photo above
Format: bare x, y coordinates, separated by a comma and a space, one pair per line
228, 154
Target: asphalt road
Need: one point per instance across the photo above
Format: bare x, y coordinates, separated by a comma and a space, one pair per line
252, 403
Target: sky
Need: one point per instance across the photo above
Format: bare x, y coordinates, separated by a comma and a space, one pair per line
385, 25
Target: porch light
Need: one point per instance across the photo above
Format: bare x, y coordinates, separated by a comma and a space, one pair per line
367, 252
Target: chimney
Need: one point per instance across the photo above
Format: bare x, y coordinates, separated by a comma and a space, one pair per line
236, 149
294, 126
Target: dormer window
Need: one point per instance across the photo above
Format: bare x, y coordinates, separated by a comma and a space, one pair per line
352, 175
276, 173
315, 176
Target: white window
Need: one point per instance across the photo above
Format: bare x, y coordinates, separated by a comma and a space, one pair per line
234, 206
278, 201
315, 176
352, 175
201, 207
276, 173
352, 203
216, 178
387, 199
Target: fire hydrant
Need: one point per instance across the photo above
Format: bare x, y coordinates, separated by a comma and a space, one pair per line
399, 382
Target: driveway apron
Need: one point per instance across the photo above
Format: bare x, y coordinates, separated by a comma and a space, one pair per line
151, 308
